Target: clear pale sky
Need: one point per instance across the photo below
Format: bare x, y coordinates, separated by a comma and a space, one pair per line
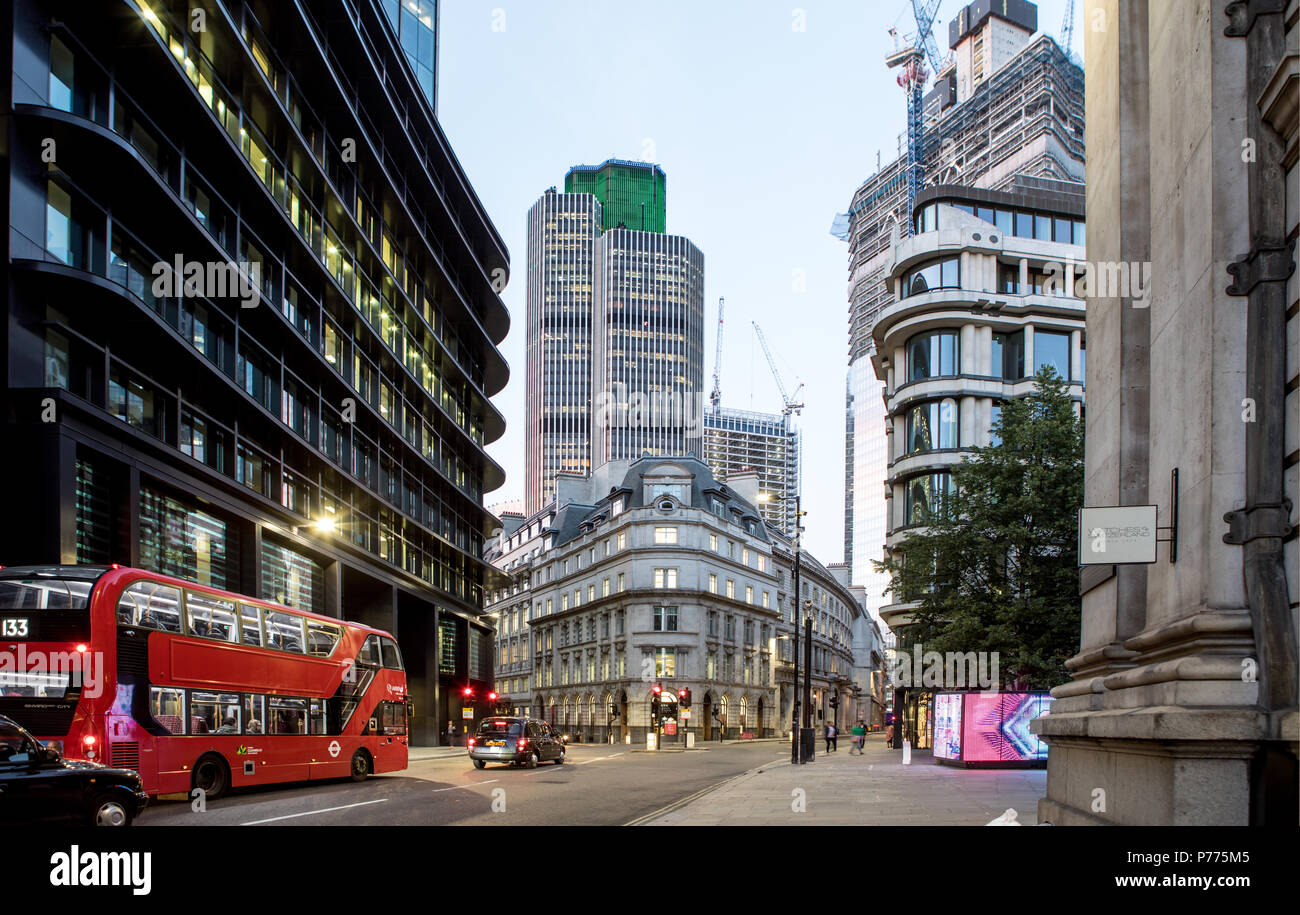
764, 129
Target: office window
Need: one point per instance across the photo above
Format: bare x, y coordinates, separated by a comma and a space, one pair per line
665, 578
665, 535
665, 619
939, 274
1009, 355
622, 540
591, 593
604, 588
1054, 350
713, 584
932, 426
749, 594
765, 600
932, 355
731, 588
665, 662
762, 563
926, 497
713, 542
620, 581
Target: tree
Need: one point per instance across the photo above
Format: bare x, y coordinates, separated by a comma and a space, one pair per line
995, 564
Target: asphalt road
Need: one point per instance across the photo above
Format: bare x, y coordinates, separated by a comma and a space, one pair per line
598, 785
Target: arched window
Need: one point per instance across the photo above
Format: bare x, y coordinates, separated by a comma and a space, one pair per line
937, 274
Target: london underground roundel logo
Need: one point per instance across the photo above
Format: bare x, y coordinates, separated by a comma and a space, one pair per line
334, 748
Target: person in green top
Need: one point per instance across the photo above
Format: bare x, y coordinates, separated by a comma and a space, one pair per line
859, 732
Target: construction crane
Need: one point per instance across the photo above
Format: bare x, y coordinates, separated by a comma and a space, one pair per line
912, 59
1067, 28
790, 404
716, 396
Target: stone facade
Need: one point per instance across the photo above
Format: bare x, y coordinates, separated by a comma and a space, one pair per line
1182, 710
654, 572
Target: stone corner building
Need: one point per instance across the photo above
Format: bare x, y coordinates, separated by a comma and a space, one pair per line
654, 571
1182, 709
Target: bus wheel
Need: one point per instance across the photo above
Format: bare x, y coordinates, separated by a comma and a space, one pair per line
360, 766
212, 776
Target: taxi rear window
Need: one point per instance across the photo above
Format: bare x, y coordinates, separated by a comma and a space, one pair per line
500, 727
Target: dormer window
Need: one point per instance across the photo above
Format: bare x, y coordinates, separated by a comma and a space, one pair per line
677, 490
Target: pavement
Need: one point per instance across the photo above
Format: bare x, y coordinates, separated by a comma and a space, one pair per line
875, 789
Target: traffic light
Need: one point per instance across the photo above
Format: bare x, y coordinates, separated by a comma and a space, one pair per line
657, 689
467, 692
492, 697
684, 697
835, 699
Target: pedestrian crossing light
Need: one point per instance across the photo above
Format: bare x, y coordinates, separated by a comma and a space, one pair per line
835, 699
684, 695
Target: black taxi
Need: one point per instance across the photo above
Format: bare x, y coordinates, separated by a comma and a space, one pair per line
37, 783
518, 741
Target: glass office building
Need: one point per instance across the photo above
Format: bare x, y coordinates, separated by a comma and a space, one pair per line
615, 328
252, 326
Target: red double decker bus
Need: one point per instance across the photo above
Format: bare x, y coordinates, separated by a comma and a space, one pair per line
195, 687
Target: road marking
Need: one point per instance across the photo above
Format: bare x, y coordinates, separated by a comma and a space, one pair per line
690, 797
309, 813
458, 787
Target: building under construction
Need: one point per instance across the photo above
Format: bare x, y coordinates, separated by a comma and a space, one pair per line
766, 443
1006, 111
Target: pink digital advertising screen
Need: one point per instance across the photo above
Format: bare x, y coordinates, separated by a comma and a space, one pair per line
995, 727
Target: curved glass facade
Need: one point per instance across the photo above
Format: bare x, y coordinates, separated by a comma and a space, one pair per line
933, 354
932, 426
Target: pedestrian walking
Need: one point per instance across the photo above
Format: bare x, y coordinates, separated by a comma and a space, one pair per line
835, 737
830, 736
451, 733
859, 732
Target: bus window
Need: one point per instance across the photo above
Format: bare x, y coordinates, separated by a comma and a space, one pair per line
150, 605
392, 657
44, 594
214, 713
211, 617
255, 714
284, 631
168, 708
251, 623
288, 716
369, 656
321, 638
393, 718
318, 716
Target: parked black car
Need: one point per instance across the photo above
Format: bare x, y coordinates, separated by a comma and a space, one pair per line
518, 741
37, 783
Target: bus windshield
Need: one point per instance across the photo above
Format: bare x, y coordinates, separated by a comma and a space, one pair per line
32, 592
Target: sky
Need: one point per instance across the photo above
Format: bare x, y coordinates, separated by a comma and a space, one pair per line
765, 116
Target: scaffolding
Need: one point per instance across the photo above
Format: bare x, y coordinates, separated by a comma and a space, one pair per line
1025, 119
